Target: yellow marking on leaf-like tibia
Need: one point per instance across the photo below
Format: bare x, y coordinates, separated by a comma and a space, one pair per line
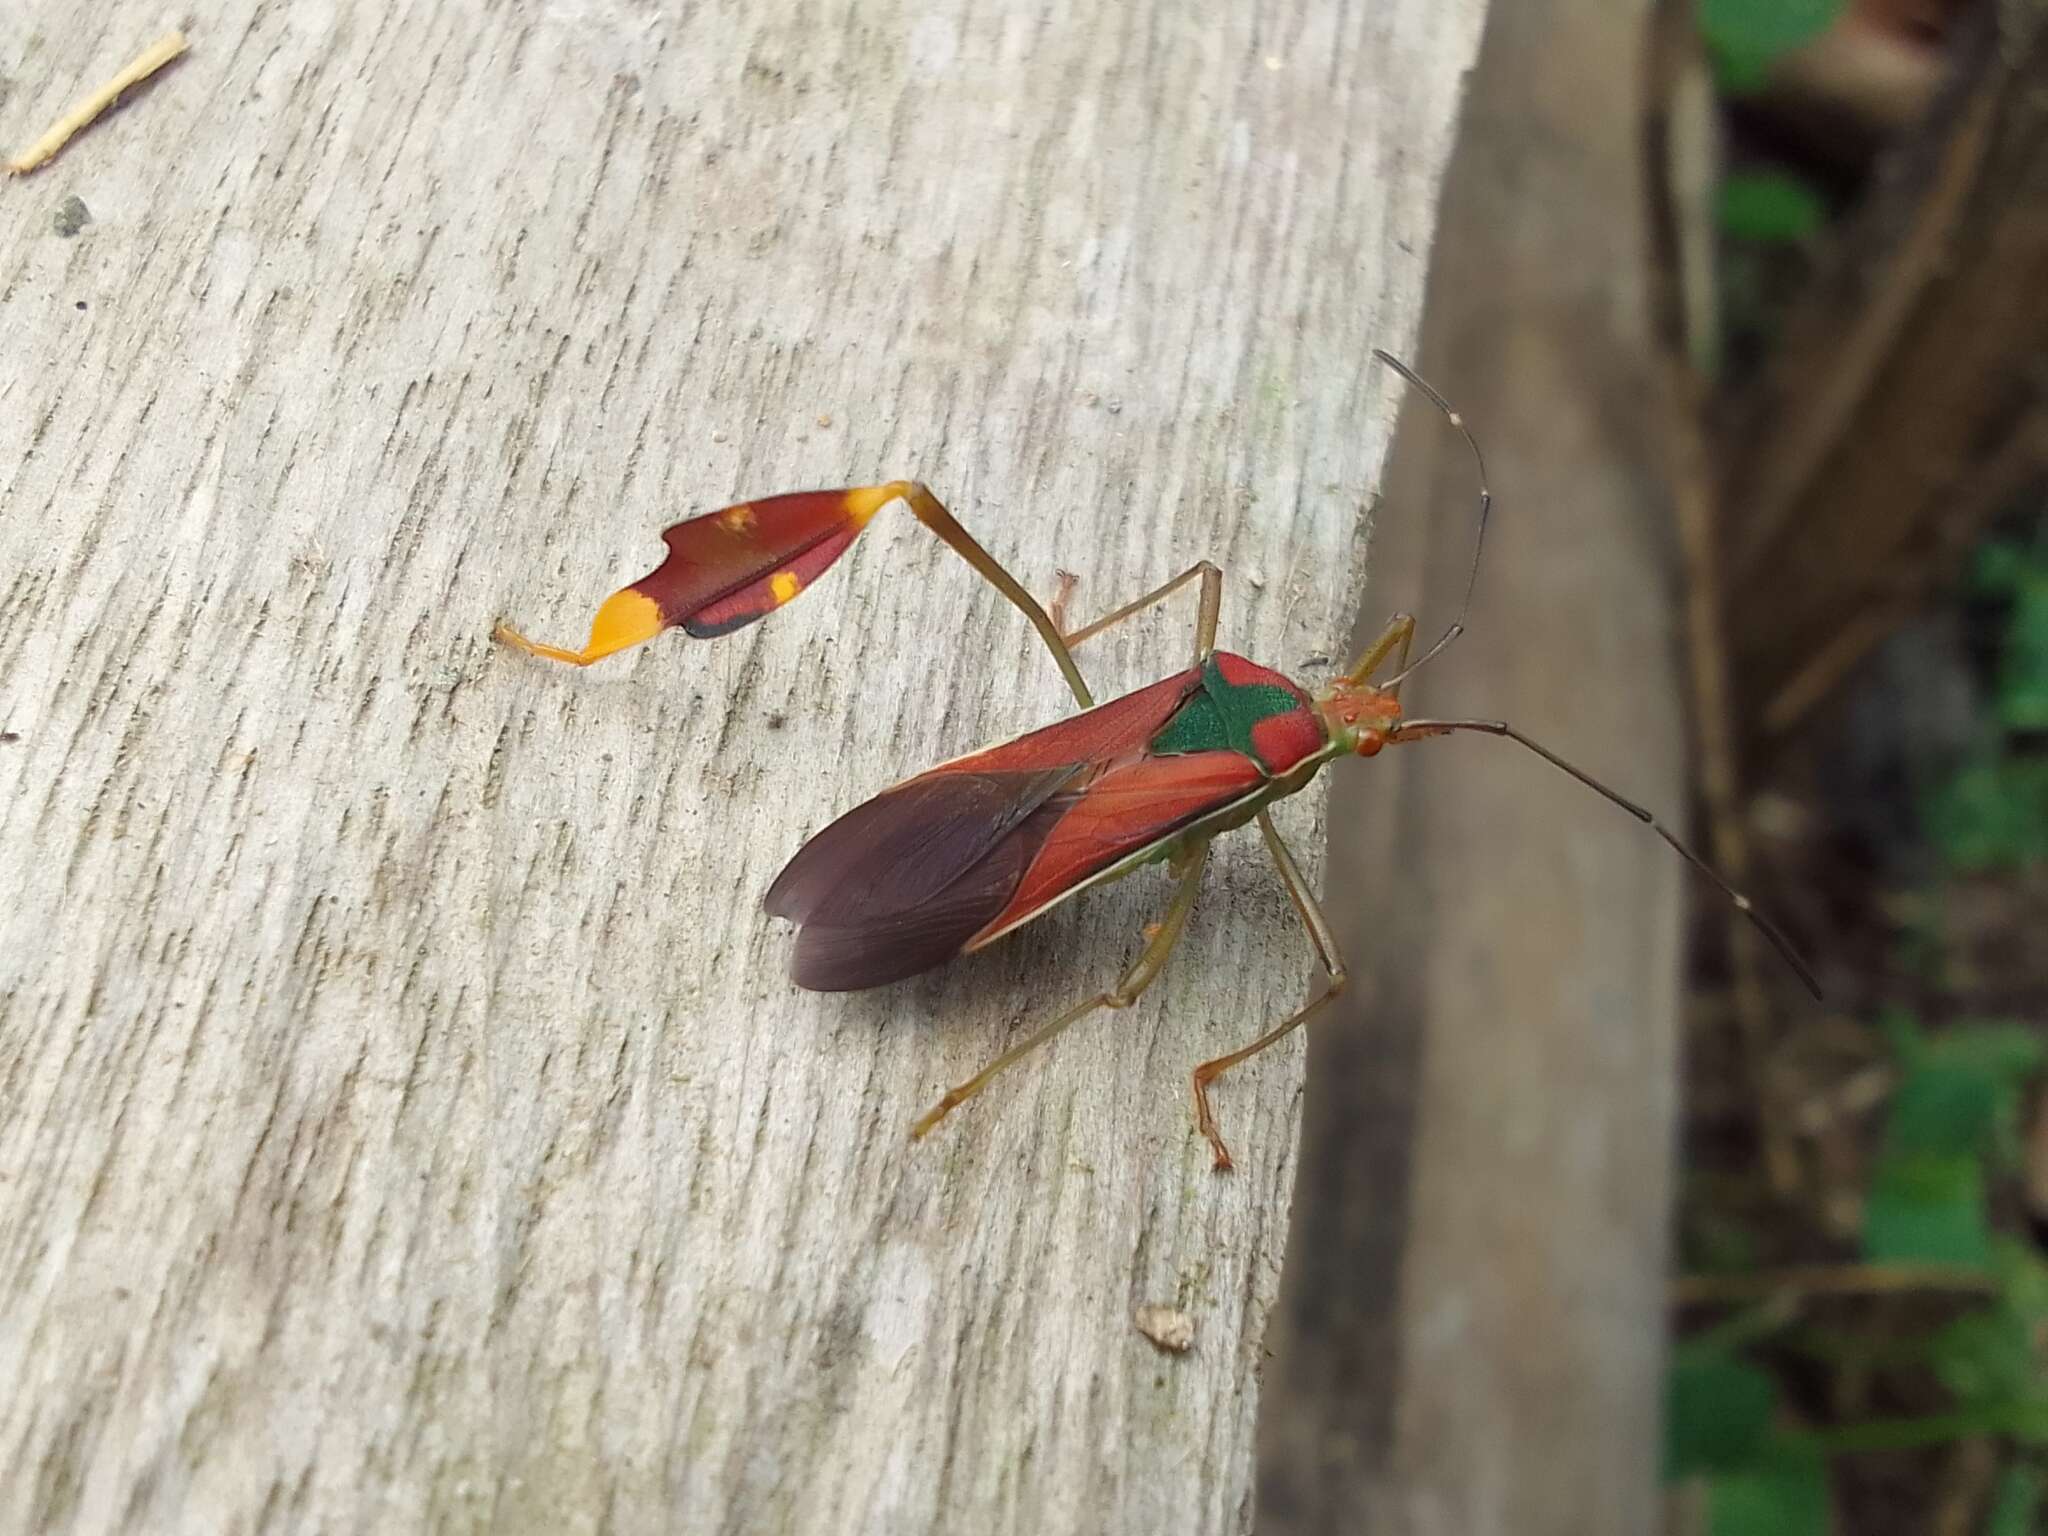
784, 585
865, 501
626, 618
739, 519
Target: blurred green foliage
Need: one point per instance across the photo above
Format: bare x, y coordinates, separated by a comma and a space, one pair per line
2017, 1509
1955, 1115
1952, 1127
1721, 1425
1766, 213
1744, 36
1770, 207
1992, 812
1718, 1411
1951, 1130
2019, 573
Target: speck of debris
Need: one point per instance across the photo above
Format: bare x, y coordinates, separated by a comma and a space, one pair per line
72, 216
79, 306
8, 738
1168, 1327
777, 720
718, 437
824, 421
1114, 407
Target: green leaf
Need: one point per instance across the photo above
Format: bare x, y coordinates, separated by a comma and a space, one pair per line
2016, 1510
1962, 1092
1993, 814
2023, 670
1903, 1034
1769, 207
2001, 566
2022, 1278
1986, 1357
1927, 1208
1717, 1414
1744, 36
1942, 1111
2022, 1418
1783, 1493
1958, 1105
2010, 1053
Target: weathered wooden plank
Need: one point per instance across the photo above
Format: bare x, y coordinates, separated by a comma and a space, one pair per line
407, 1121
1471, 1338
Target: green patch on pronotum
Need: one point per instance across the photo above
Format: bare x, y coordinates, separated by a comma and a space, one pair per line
1222, 716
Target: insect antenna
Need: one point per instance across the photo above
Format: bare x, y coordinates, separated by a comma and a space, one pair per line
1409, 729
1457, 627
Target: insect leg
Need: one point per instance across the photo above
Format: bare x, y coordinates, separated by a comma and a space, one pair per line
1333, 965
1205, 619
933, 514
624, 621
1143, 972
1400, 631
725, 569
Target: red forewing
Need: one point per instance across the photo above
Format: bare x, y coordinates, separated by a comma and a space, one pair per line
1097, 735
1128, 807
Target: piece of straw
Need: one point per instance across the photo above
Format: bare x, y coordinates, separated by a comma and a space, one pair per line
145, 64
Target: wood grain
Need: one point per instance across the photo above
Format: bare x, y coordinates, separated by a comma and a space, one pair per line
407, 1120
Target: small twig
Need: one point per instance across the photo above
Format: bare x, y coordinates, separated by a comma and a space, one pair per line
1846, 364
1891, 1435
1671, 48
145, 64
2034, 1164
1805, 1280
1966, 1487
1858, 1094
1987, 489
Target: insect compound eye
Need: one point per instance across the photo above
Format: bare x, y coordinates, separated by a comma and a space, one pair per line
1370, 740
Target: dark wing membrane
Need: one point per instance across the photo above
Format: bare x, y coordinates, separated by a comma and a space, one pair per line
931, 859
906, 845
881, 946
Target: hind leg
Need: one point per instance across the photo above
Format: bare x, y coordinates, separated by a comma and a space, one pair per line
1143, 972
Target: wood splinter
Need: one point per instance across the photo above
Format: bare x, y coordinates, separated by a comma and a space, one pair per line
139, 69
